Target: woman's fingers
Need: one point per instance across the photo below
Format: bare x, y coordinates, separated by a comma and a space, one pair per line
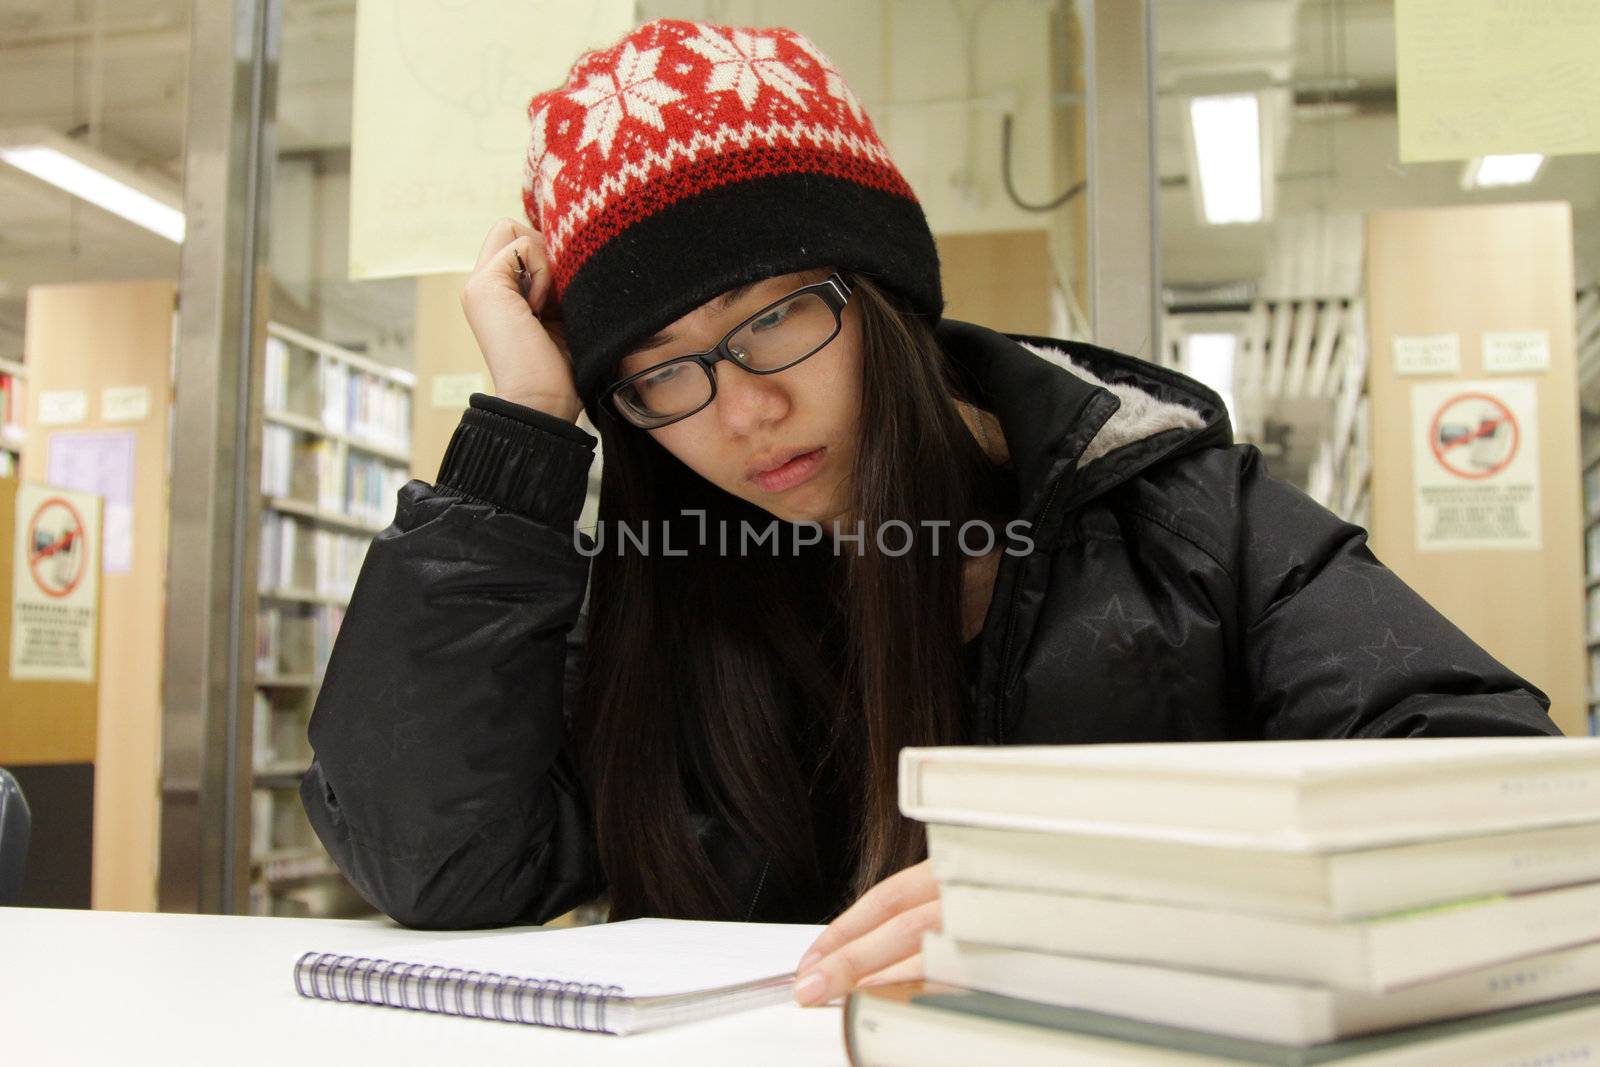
501, 235
905, 971
899, 892
894, 941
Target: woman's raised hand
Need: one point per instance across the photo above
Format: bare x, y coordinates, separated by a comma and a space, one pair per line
878, 938
522, 338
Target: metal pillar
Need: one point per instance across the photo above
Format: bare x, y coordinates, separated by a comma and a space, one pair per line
1124, 235
210, 610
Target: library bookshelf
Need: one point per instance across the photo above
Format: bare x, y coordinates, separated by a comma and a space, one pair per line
335, 450
12, 404
1587, 321
1340, 478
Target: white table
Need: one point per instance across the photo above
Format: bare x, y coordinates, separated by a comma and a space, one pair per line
87, 987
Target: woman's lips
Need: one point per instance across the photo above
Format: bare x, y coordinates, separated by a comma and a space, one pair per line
797, 470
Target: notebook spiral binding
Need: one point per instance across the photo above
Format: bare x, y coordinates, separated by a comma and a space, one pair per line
454, 991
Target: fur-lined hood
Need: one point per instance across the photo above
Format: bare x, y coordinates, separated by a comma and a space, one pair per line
1079, 416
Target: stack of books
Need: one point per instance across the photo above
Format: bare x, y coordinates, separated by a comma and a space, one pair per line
1364, 903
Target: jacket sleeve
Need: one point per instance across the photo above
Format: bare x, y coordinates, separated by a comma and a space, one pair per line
444, 784
1334, 644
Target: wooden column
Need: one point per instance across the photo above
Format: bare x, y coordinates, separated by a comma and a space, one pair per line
1467, 272
86, 339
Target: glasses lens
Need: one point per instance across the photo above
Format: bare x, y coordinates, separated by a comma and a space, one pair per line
667, 391
783, 334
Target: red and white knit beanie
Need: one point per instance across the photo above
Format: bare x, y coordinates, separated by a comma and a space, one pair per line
687, 159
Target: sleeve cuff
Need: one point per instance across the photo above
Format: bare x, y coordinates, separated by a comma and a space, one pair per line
539, 419
518, 462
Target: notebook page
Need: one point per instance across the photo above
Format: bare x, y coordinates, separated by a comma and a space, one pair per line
646, 957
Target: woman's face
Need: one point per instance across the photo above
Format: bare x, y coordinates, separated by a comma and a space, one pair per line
757, 421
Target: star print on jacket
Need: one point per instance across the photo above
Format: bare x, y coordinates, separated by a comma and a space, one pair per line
1114, 625
1390, 654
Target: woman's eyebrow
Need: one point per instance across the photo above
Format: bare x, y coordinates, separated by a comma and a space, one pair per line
719, 305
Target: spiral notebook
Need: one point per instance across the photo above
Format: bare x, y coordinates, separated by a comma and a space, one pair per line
616, 978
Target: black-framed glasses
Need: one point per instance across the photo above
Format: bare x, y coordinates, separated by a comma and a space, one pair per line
785, 332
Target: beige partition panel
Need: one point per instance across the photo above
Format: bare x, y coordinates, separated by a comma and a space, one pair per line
1467, 272
84, 340
447, 364
999, 280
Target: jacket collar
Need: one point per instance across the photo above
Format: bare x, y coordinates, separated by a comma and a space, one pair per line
1078, 418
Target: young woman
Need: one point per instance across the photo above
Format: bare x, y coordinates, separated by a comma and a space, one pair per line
831, 525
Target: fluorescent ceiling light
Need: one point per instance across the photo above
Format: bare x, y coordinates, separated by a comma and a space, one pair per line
1228, 156
1486, 172
91, 176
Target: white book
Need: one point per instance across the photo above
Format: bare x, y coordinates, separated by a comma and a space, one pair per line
1287, 1013
1308, 795
1311, 885
1374, 955
615, 978
895, 1026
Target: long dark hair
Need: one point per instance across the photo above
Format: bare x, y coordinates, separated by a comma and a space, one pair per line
743, 687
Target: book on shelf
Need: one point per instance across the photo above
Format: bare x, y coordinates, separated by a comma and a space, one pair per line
616, 978
365, 406
275, 375
1295, 884
296, 558
12, 406
296, 640
1310, 795
1260, 1009
931, 1025
327, 475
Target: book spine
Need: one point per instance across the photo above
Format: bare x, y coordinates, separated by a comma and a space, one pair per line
455, 991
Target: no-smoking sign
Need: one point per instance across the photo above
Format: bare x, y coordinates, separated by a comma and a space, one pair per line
1474, 435
57, 547
55, 584
1476, 465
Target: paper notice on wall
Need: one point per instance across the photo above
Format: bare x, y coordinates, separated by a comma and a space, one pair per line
1476, 458
1434, 353
100, 462
439, 125
55, 585
63, 407
453, 391
1516, 352
125, 403
1485, 77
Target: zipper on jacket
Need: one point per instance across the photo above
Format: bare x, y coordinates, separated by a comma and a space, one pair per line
750, 912
998, 732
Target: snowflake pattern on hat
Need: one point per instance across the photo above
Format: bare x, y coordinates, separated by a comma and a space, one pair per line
676, 108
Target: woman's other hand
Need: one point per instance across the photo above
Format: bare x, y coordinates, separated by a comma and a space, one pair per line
879, 939
522, 338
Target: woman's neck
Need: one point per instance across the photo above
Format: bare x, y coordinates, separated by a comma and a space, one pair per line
985, 430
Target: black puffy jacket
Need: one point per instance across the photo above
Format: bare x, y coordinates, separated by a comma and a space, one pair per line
1175, 591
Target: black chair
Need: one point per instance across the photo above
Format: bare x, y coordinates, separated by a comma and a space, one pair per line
16, 823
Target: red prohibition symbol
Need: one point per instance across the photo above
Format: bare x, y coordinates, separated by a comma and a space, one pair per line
56, 542
1475, 435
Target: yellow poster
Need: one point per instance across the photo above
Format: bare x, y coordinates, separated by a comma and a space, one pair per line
1485, 77
439, 124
